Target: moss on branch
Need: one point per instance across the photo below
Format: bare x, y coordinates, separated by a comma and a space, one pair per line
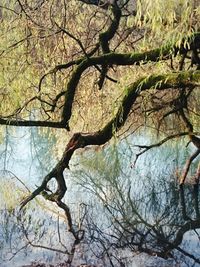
178, 80
106, 59
160, 82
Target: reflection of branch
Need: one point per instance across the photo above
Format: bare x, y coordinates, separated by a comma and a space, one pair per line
18, 179
17, 251
196, 260
187, 166
80, 140
183, 204
63, 206
196, 199
59, 235
190, 225
41, 246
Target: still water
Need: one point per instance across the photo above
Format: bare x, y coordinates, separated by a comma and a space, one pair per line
132, 215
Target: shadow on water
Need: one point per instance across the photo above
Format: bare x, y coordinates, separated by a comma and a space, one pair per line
130, 216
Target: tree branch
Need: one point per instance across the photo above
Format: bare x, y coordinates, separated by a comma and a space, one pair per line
160, 143
80, 140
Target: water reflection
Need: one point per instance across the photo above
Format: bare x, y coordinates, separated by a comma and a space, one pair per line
25, 153
125, 212
147, 213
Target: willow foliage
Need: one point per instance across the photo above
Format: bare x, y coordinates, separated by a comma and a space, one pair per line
174, 18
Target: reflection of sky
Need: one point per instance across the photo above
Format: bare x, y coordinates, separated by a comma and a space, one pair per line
18, 155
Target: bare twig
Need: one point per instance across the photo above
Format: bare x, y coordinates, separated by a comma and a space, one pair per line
160, 143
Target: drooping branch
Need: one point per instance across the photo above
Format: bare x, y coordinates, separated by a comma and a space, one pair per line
145, 148
82, 64
81, 140
112, 59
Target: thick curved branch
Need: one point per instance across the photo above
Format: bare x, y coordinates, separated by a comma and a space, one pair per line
107, 59
67, 65
106, 36
104, 60
111, 59
132, 58
160, 82
80, 140
104, 39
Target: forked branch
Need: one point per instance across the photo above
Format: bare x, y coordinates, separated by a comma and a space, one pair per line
81, 140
